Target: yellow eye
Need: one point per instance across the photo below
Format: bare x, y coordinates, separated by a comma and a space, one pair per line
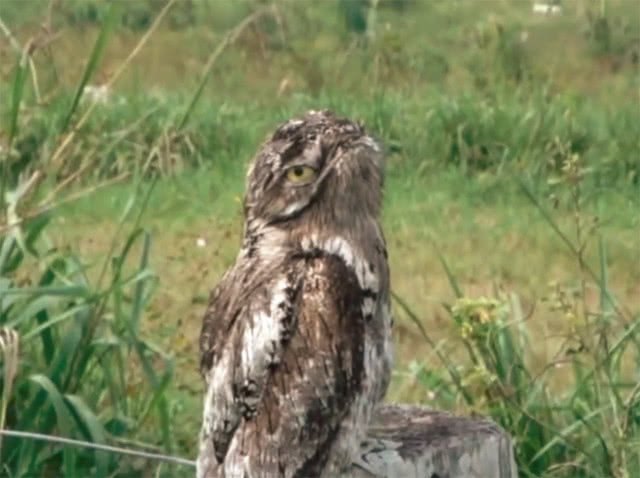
300, 174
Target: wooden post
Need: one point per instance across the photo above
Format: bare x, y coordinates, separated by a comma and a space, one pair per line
406, 441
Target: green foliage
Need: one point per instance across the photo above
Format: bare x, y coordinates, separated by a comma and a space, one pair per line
475, 103
92, 64
591, 428
85, 369
75, 362
502, 134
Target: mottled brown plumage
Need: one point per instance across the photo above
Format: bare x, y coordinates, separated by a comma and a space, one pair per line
296, 341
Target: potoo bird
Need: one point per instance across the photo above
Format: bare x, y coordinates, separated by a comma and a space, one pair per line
296, 345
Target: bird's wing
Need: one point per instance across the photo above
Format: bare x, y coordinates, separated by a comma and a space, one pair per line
307, 415
241, 342
312, 412
287, 376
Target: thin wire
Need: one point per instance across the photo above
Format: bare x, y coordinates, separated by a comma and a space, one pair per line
97, 446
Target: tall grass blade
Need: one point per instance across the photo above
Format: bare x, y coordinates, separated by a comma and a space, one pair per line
56, 291
17, 93
605, 295
94, 59
158, 398
34, 230
90, 422
63, 418
97, 446
553, 224
566, 432
453, 282
229, 38
139, 293
43, 315
56, 320
447, 363
28, 310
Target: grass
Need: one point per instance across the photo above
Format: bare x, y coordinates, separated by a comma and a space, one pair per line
511, 212
531, 260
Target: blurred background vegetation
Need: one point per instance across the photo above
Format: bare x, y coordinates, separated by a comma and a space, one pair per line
512, 210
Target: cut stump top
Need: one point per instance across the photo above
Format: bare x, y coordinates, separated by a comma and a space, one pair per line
407, 441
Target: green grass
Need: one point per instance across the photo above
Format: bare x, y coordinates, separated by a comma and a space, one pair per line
465, 227
511, 213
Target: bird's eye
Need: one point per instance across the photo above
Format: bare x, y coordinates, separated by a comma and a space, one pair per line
300, 174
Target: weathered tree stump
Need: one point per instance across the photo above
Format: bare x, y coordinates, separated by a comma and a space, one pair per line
407, 441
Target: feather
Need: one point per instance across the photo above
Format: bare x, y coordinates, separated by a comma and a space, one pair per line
290, 400
295, 344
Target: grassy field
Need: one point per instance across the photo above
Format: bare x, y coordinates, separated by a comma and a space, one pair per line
511, 211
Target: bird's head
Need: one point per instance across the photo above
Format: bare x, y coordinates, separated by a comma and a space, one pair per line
317, 173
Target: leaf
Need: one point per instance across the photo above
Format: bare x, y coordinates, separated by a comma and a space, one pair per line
138, 298
34, 228
33, 308
56, 291
66, 315
8, 260
94, 59
606, 297
96, 431
17, 93
450, 276
566, 432
63, 417
441, 356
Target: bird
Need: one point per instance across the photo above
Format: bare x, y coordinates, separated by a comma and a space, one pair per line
296, 341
